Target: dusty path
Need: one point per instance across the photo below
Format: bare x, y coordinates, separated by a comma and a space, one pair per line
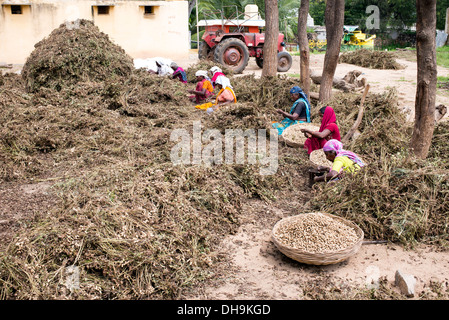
257, 270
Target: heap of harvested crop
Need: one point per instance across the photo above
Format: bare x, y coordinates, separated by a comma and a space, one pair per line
383, 128
395, 198
206, 65
80, 53
370, 59
316, 233
270, 92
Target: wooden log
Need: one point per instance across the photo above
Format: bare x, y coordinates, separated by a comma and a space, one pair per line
314, 95
440, 111
6, 66
348, 83
357, 122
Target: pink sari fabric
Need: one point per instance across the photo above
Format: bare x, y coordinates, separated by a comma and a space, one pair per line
215, 76
199, 87
328, 122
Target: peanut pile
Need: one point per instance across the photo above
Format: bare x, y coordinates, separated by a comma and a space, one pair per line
316, 233
318, 157
293, 133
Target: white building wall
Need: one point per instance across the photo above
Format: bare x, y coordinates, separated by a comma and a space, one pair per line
163, 33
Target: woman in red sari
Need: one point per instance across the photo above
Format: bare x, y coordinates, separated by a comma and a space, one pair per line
328, 130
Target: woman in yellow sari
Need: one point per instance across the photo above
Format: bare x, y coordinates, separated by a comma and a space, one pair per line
225, 95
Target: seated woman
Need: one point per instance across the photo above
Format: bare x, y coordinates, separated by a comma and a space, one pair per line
328, 130
178, 72
203, 88
344, 161
225, 96
299, 113
216, 72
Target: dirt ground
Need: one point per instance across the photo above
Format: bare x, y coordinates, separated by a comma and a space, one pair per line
257, 270
253, 267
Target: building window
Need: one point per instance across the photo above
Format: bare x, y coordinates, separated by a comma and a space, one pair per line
148, 9
103, 9
16, 9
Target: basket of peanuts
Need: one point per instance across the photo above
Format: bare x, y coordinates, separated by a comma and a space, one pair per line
317, 238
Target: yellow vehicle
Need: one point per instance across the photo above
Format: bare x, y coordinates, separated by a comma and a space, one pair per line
353, 37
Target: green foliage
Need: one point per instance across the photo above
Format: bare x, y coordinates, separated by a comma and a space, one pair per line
442, 6
443, 56
316, 11
210, 9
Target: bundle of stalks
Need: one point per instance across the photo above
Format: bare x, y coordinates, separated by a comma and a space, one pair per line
135, 225
270, 92
206, 65
383, 129
439, 149
395, 198
76, 54
370, 59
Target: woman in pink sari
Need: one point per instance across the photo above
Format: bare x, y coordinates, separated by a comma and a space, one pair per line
328, 130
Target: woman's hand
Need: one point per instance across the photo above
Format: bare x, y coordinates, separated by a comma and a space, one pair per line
307, 133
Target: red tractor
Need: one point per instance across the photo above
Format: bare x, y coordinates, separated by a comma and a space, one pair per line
232, 42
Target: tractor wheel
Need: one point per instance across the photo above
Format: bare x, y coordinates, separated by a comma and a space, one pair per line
259, 62
203, 50
285, 61
232, 53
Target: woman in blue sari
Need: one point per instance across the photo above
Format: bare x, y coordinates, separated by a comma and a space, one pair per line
299, 113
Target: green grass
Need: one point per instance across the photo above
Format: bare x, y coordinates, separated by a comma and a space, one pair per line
443, 56
443, 83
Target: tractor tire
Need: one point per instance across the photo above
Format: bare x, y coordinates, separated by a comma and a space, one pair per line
203, 50
285, 61
233, 54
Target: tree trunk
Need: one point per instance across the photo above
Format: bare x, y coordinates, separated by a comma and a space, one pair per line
271, 39
427, 78
334, 16
192, 4
304, 46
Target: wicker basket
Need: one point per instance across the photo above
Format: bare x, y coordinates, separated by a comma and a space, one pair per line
318, 158
318, 258
293, 136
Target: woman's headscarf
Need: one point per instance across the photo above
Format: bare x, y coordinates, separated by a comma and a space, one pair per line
328, 117
174, 65
301, 93
224, 81
337, 146
215, 69
200, 73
